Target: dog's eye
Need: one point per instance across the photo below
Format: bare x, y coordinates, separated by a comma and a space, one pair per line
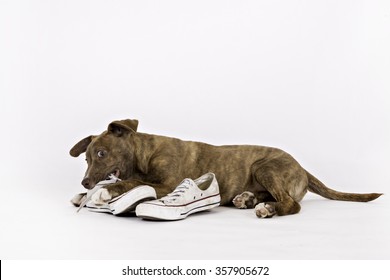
101, 154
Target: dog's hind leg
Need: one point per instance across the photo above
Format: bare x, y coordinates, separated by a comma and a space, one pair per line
284, 180
285, 204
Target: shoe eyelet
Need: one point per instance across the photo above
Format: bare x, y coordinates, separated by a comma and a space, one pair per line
194, 197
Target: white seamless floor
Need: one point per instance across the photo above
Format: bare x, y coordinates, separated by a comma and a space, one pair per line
40, 228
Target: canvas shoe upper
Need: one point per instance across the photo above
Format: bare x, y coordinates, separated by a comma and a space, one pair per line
111, 180
189, 197
122, 204
126, 202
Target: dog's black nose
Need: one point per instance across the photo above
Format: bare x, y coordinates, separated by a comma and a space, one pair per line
85, 182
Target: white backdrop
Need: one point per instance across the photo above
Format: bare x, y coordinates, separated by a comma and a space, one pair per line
310, 77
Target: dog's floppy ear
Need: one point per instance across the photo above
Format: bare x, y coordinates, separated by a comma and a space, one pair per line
119, 128
81, 146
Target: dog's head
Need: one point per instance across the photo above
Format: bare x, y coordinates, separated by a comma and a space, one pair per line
109, 153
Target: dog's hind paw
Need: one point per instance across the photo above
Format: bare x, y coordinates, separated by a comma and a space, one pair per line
101, 196
245, 200
265, 210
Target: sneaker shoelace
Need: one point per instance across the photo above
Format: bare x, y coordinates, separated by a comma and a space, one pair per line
177, 193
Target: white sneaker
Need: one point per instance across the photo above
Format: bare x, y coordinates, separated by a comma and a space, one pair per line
189, 197
121, 204
111, 180
126, 202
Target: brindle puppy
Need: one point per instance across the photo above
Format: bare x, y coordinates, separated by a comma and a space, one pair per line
247, 175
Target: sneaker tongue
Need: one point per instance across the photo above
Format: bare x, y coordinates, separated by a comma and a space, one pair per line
188, 182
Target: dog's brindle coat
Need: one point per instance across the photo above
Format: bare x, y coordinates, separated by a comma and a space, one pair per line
247, 175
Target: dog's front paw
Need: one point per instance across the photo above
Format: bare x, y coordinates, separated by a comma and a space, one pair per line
245, 200
265, 210
239, 202
101, 196
78, 199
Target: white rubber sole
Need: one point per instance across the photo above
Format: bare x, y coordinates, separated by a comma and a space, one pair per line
151, 211
126, 202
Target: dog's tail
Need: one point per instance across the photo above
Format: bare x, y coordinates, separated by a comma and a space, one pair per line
316, 186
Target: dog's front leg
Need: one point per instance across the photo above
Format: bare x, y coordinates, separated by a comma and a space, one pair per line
109, 192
